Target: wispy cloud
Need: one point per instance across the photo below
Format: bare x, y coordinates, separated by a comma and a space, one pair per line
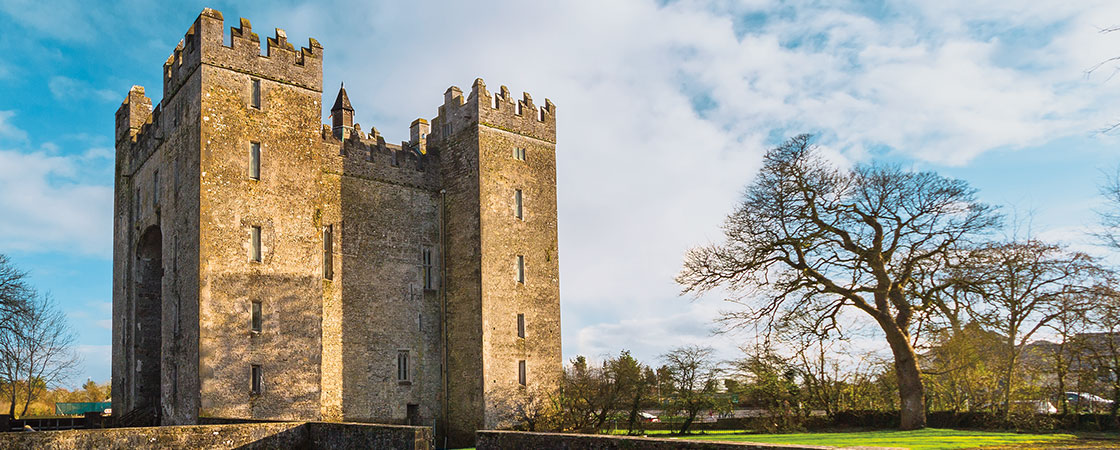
66, 89
9, 131
665, 108
48, 203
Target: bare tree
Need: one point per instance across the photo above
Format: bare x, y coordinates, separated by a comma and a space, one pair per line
812, 240
1112, 63
1021, 287
692, 372
37, 354
1067, 326
1109, 216
15, 293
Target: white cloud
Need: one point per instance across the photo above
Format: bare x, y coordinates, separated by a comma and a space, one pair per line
48, 207
9, 131
664, 111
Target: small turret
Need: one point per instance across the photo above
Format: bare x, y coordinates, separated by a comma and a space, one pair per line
342, 115
133, 113
418, 135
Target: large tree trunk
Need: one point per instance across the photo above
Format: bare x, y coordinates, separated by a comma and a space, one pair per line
687, 422
912, 396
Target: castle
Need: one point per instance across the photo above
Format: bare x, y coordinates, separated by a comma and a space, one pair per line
268, 266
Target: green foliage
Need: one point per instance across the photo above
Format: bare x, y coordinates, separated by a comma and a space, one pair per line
693, 384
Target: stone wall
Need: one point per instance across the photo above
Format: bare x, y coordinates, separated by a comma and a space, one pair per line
287, 435
455, 138
505, 237
389, 217
288, 280
494, 440
186, 277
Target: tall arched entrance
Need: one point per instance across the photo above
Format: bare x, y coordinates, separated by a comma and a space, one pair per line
148, 320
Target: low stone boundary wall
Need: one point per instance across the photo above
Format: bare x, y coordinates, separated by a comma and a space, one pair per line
285, 435
492, 440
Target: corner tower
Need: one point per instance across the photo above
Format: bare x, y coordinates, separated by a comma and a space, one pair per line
498, 156
207, 183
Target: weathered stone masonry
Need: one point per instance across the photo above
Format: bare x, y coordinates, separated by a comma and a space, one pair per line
422, 241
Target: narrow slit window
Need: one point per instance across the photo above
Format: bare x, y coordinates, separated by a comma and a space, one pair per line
155, 188
256, 102
494, 101
521, 269
255, 243
517, 202
402, 366
519, 153
255, 160
255, 321
521, 325
518, 111
426, 272
328, 255
540, 114
257, 376
521, 375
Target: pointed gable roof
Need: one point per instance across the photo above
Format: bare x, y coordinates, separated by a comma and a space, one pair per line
342, 102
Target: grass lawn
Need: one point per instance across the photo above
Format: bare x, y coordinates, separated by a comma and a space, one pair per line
927, 439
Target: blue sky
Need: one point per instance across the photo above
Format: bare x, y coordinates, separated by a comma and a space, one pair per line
665, 109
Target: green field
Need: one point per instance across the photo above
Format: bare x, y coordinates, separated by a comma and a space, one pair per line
927, 439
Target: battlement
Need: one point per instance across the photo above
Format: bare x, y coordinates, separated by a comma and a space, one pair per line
204, 44
135, 111
372, 151
496, 110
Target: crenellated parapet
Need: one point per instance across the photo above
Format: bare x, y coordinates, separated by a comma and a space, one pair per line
499, 110
139, 130
135, 111
504, 111
369, 156
204, 44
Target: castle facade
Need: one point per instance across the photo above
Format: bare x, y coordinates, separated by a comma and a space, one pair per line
270, 266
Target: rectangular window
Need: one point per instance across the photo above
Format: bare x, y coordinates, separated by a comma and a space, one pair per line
521, 375
521, 325
255, 243
426, 268
328, 255
256, 93
520, 269
255, 321
519, 153
255, 160
155, 188
257, 377
494, 101
402, 366
517, 204
518, 111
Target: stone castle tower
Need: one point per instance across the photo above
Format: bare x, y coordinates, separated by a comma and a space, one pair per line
270, 266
